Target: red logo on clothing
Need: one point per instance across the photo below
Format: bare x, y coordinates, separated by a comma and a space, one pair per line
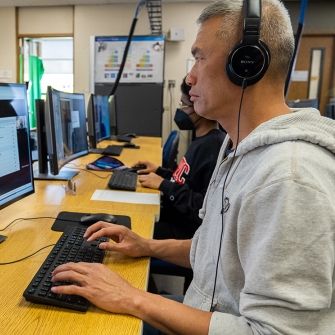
182, 168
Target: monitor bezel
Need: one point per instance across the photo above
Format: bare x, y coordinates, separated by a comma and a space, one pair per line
32, 190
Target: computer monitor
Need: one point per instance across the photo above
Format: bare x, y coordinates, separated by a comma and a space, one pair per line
16, 176
42, 152
98, 119
66, 133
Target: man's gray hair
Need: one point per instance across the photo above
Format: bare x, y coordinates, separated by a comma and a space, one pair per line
276, 30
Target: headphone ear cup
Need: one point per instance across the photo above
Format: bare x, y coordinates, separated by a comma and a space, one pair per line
248, 63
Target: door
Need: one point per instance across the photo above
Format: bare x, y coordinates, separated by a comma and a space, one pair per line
314, 70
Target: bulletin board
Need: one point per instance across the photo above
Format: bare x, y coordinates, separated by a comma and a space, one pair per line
144, 64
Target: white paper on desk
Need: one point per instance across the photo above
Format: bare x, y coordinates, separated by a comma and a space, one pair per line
127, 197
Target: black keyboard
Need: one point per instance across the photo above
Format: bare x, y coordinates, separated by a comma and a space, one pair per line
123, 180
111, 150
71, 247
124, 138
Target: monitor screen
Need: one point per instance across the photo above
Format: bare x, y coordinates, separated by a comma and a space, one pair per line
65, 128
98, 115
16, 177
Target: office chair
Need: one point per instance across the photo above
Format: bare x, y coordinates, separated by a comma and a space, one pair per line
330, 110
170, 150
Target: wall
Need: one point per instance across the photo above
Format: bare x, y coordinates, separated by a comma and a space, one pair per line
45, 20
319, 18
8, 46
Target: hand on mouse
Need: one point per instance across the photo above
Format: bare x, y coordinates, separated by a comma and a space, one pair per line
151, 180
150, 167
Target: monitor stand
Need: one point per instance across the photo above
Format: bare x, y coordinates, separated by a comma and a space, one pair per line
64, 174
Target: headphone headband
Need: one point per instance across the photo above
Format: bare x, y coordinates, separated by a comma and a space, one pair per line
252, 20
249, 60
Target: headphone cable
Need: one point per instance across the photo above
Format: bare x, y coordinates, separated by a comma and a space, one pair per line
244, 85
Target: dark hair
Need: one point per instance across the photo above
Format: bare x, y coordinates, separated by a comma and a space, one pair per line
185, 88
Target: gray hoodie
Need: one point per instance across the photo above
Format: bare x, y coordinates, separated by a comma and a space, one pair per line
276, 269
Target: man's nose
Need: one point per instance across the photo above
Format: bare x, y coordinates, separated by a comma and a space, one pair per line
190, 79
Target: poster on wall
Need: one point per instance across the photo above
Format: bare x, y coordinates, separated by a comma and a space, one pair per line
144, 64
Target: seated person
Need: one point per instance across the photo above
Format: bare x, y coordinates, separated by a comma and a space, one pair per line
184, 189
263, 258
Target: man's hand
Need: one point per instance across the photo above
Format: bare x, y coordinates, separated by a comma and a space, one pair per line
125, 241
96, 283
151, 180
107, 290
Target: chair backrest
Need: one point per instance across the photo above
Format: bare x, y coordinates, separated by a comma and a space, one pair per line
330, 110
170, 150
303, 103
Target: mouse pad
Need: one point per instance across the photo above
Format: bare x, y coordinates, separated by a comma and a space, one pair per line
68, 220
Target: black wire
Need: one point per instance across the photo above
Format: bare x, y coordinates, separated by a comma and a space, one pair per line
23, 258
126, 49
223, 193
36, 218
125, 53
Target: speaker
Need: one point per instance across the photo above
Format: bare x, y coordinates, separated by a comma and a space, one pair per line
249, 60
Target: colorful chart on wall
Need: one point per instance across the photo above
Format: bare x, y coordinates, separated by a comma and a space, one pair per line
144, 64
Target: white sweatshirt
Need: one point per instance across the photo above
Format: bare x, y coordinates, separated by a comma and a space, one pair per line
276, 269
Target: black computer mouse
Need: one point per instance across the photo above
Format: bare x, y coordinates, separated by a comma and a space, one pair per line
93, 218
137, 167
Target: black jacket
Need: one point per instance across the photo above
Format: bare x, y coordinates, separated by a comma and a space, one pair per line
184, 189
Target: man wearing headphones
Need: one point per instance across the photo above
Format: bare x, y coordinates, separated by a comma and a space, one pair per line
263, 258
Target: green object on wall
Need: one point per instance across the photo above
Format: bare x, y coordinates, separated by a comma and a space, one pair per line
36, 71
21, 68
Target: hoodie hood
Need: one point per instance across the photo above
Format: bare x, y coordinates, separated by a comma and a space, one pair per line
304, 124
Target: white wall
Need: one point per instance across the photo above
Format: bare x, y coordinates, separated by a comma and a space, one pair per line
45, 20
8, 45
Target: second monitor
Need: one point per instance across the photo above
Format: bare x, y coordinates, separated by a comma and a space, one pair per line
65, 124
98, 117
99, 125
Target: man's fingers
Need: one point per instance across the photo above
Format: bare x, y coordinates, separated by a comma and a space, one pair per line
94, 228
107, 230
69, 275
68, 289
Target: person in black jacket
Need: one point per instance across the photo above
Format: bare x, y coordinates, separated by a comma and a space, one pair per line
183, 189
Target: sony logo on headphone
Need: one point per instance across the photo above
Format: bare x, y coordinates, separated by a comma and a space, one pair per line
247, 61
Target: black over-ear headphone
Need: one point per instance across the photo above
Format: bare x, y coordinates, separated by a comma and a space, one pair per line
249, 60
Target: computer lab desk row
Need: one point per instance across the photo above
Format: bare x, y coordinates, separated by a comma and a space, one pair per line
17, 316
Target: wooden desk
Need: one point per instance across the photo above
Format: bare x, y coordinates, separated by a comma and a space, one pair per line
17, 316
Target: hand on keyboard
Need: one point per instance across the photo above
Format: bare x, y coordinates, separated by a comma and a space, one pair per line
97, 283
151, 180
